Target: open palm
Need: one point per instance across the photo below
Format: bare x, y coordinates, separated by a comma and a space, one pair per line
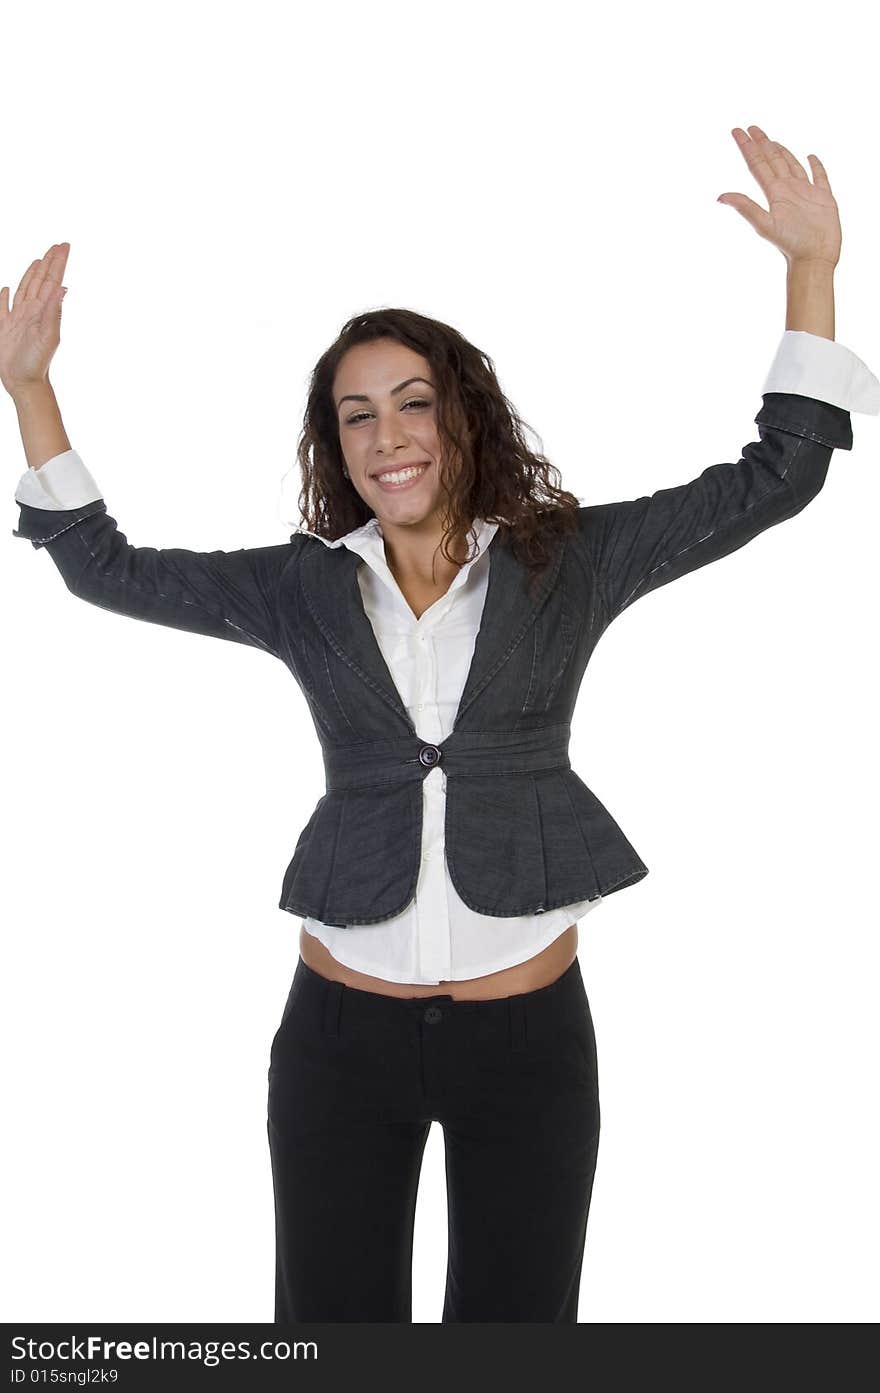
802, 220
30, 331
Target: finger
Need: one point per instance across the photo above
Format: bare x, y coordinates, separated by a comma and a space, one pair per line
762, 157
771, 152
754, 158
54, 267
795, 166
820, 178
50, 268
54, 301
29, 284
751, 211
46, 308
21, 292
36, 274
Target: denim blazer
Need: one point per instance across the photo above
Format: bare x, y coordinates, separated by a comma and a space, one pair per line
524, 833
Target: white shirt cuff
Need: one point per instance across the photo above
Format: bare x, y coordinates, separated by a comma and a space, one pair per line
63, 482
811, 366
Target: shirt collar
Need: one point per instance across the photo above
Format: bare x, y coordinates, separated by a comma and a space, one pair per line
368, 539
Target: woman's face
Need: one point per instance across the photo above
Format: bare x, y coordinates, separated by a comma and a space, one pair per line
388, 428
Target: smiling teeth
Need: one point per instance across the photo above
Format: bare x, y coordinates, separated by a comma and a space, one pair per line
400, 475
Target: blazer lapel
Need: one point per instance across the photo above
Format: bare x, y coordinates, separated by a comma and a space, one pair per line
329, 582
508, 613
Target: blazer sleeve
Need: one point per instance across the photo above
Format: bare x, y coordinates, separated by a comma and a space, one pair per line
222, 594
636, 546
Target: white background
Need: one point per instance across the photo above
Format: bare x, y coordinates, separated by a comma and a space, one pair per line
235, 183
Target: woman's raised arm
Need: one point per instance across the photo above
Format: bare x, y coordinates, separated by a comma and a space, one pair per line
636, 546
221, 594
230, 595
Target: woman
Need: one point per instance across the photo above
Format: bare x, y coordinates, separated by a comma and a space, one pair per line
420, 993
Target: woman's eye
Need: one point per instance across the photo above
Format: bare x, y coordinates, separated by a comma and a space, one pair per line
414, 401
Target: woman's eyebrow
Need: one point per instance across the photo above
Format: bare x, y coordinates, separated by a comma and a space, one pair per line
353, 396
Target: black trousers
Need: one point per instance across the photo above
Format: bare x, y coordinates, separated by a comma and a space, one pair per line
355, 1080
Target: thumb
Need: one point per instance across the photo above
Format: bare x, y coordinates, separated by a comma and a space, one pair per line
750, 210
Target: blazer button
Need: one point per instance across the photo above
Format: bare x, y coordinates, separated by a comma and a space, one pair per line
429, 755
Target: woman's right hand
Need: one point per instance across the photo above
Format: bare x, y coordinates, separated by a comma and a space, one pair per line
30, 332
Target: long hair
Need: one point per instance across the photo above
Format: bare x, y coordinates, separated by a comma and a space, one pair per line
486, 470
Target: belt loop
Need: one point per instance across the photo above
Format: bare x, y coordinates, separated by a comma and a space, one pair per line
332, 1007
517, 1022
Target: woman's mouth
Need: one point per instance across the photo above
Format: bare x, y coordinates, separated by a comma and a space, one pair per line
394, 481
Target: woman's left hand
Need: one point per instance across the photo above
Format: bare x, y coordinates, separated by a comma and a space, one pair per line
802, 221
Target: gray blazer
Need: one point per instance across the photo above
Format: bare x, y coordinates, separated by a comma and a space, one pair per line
524, 833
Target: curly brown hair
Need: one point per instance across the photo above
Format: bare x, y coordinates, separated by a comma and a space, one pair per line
487, 468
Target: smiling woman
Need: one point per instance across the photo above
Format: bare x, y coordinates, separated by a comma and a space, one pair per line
406, 451
397, 390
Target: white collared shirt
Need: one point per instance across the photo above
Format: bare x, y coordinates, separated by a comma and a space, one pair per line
437, 937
